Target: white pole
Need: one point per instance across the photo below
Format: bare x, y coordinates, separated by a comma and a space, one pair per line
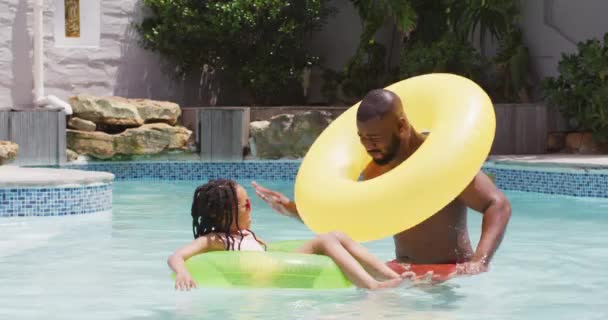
38, 50
38, 67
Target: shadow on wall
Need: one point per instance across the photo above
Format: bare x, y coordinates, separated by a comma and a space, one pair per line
144, 74
21, 44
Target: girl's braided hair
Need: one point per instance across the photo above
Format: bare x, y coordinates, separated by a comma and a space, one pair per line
215, 208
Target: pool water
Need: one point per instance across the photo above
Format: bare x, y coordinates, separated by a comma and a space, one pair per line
551, 265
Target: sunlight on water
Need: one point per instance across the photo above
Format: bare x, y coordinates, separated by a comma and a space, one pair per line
551, 266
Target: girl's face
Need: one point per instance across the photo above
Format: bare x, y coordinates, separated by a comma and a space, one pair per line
244, 209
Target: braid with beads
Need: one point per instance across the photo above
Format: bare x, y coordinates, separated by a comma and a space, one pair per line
214, 208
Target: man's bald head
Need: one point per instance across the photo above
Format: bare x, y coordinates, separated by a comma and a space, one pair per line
379, 103
381, 125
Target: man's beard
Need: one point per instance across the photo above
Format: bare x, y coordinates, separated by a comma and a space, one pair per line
390, 153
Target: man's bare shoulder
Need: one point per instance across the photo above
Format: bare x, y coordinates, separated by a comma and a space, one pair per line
481, 183
480, 192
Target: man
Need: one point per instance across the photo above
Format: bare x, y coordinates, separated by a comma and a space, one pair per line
443, 238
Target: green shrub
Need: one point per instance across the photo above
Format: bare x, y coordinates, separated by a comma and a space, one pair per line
363, 72
493, 17
435, 36
512, 66
442, 42
448, 54
259, 43
581, 89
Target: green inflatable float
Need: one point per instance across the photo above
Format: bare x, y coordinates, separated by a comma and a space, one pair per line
279, 267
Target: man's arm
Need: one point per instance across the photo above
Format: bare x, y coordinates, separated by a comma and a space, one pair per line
483, 196
277, 201
293, 209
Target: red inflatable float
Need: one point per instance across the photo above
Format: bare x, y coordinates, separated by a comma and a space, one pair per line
440, 272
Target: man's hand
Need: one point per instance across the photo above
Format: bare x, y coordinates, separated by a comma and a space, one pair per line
471, 268
277, 201
483, 196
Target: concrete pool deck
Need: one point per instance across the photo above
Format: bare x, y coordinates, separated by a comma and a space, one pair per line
554, 160
12, 176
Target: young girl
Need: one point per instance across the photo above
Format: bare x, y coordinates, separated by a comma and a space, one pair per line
221, 217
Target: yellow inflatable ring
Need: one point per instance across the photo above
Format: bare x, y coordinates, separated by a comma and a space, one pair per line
461, 120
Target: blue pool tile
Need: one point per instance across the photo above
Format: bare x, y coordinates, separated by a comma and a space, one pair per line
582, 183
32, 201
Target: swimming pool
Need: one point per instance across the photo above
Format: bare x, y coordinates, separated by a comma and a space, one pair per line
551, 265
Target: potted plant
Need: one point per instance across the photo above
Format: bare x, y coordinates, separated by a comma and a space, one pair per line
580, 93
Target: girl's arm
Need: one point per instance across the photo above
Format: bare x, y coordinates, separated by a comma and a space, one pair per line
176, 261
